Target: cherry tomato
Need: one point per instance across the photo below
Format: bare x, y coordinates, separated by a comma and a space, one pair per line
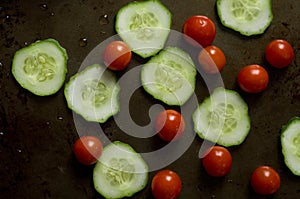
212, 59
279, 53
169, 125
87, 149
217, 162
265, 180
253, 79
201, 29
117, 55
166, 184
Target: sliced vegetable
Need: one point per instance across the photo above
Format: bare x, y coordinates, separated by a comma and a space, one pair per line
279, 53
170, 76
144, 26
222, 118
87, 149
41, 67
265, 180
201, 29
120, 171
217, 161
93, 93
166, 184
290, 142
249, 17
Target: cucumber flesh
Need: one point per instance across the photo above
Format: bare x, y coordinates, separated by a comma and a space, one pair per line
290, 142
93, 93
222, 118
170, 76
41, 67
120, 171
144, 26
249, 17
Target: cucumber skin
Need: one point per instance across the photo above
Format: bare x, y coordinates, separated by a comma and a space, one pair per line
129, 148
137, 3
60, 48
283, 131
218, 2
69, 104
220, 142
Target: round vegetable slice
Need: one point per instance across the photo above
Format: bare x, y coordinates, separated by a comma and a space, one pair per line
93, 93
41, 67
222, 118
144, 26
290, 142
249, 17
120, 171
170, 76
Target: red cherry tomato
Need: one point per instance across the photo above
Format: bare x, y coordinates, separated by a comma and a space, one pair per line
265, 180
217, 162
87, 149
201, 29
212, 59
253, 79
166, 184
169, 125
117, 55
279, 53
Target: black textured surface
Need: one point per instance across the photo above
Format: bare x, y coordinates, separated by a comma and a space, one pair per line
37, 133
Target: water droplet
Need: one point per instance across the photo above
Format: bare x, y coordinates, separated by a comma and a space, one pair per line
7, 19
60, 118
52, 14
1, 64
1, 133
82, 42
19, 150
48, 123
44, 6
103, 20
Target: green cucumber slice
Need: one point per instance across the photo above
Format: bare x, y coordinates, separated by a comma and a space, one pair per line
249, 17
170, 76
41, 67
290, 143
93, 93
120, 171
222, 118
144, 26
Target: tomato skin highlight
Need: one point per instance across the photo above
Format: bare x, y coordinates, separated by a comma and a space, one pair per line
253, 79
217, 162
166, 184
169, 125
265, 180
87, 149
117, 55
279, 53
211, 59
201, 29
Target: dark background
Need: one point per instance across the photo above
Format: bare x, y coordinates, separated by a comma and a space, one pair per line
37, 133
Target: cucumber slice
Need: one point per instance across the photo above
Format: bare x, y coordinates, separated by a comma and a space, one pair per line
144, 26
93, 93
41, 67
120, 171
170, 76
290, 143
249, 17
222, 118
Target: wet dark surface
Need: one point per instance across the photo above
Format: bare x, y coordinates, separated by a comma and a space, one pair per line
37, 133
